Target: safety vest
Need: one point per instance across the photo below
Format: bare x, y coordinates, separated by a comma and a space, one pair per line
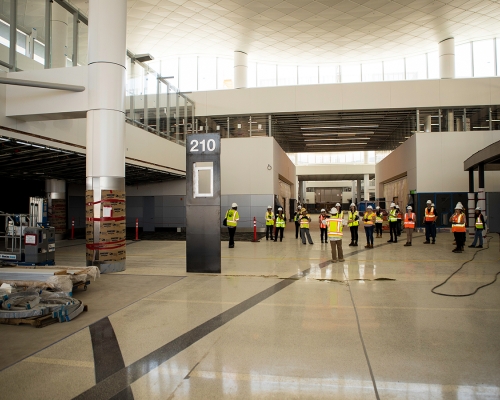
304, 222
368, 219
269, 218
280, 221
399, 216
458, 223
352, 218
410, 224
393, 215
479, 223
322, 219
379, 218
232, 217
335, 225
429, 215
296, 216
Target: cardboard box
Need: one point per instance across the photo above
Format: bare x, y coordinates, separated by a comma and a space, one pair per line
112, 255
112, 194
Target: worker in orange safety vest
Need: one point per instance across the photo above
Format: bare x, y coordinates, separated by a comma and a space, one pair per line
410, 218
458, 228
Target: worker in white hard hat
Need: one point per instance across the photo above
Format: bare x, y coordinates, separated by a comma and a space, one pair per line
280, 224
232, 218
393, 221
335, 226
410, 219
353, 223
399, 221
458, 227
322, 225
369, 219
479, 228
296, 219
269, 222
305, 221
430, 218
379, 221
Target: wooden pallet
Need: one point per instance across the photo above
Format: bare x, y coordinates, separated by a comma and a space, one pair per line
37, 322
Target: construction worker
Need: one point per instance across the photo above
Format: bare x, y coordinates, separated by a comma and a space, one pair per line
430, 217
296, 219
280, 224
369, 222
269, 222
379, 220
410, 218
353, 223
335, 225
458, 228
232, 218
399, 217
305, 220
393, 220
322, 225
479, 228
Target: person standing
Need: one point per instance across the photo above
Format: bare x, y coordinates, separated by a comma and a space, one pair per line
232, 218
335, 225
479, 227
280, 224
399, 217
296, 219
305, 220
353, 223
430, 217
322, 225
369, 222
269, 222
409, 224
393, 220
458, 227
379, 220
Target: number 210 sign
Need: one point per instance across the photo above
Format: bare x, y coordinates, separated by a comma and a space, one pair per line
203, 144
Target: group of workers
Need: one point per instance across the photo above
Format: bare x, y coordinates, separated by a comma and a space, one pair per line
331, 226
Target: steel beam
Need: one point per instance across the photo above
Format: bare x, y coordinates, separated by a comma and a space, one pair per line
44, 85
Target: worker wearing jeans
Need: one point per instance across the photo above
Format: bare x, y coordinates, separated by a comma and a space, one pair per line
305, 220
480, 225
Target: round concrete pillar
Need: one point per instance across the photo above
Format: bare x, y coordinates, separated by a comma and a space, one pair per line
56, 203
447, 58
59, 36
240, 69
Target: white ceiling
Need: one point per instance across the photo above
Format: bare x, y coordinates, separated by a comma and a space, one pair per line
304, 31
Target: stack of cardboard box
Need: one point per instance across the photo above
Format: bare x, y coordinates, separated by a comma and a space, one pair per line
57, 217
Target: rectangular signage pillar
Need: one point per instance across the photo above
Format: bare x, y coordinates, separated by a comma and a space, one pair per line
203, 219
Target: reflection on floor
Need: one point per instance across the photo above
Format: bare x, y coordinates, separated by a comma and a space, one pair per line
281, 321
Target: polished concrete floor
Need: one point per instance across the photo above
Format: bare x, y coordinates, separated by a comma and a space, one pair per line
281, 321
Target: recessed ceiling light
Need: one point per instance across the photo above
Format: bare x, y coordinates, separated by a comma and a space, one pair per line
337, 133
321, 140
333, 144
339, 127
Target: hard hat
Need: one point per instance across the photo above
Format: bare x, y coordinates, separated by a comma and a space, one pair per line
432, 204
337, 205
478, 208
369, 208
280, 209
409, 208
298, 207
234, 205
459, 206
397, 206
334, 210
393, 205
302, 209
429, 202
268, 207
378, 207
352, 205
323, 210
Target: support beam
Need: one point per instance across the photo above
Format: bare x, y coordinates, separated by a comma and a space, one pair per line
75, 38
43, 85
358, 192
367, 187
13, 36
48, 33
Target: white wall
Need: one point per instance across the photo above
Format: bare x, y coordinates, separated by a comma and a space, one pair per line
349, 96
283, 166
401, 162
336, 169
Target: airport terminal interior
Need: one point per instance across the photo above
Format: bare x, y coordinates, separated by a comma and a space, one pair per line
238, 199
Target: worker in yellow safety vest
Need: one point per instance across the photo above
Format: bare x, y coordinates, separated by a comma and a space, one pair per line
369, 223
379, 220
410, 218
296, 218
353, 223
269, 222
430, 217
393, 221
479, 226
335, 224
280, 224
458, 228
305, 220
232, 218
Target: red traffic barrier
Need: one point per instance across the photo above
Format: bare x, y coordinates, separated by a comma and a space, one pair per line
255, 230
136, 230
72, 228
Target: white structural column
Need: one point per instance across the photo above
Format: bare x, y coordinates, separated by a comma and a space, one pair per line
427, 123
353, 192
367, 187
447, 58
56, 202
106, 115
358, 191
451, 121
59, 36
240, 69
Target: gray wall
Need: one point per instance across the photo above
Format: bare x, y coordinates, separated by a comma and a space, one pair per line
249, 206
